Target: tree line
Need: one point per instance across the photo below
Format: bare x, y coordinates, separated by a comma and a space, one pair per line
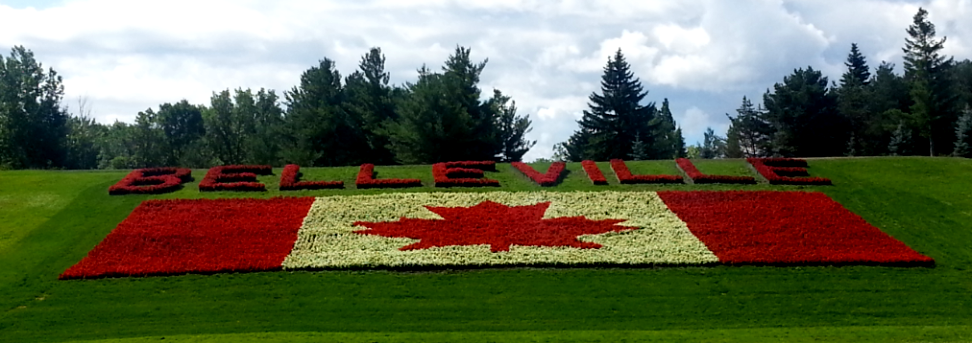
326, 120
330, 120
924, 111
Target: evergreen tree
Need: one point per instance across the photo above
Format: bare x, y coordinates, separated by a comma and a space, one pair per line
928, 75
615, 118
713, 146
264, 143
369, 100
639, 150
900, 143
512, 128
888, 102
801, 112
751, 131
963, 131
853, 97
319, 131
679, 143
665, 132
733, 146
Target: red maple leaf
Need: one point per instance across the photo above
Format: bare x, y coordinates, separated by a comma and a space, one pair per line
495, 224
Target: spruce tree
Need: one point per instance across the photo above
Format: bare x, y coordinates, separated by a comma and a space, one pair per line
853, 97
639, 150
928, 75
667, 145
963, 131
802, 113
512, 128
900, 143
370, 101
615, 117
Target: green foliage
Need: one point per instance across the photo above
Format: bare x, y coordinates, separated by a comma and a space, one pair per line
713, 146
750, 131
616, 117
963, 134
930, 78
370, 100
319, 131
802, 112
512, 128
900, 143
33, 125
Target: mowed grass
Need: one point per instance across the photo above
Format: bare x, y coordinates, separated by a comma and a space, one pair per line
924, 202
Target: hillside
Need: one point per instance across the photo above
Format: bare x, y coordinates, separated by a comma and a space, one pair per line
51, 219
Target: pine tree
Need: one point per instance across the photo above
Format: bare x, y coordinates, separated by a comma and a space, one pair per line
733, 146
319, 131
369, 99
639, 150
963, 132
927, 73
664, 131
615, 117
853, 97
753, 132
713, 146
801, 112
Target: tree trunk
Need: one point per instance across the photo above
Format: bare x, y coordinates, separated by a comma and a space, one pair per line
931, 147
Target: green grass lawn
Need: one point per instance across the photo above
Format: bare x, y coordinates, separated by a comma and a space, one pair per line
49, 220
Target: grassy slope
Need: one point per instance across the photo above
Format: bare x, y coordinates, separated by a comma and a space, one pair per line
924, 202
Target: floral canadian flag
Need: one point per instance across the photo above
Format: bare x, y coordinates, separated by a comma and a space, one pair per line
419, 230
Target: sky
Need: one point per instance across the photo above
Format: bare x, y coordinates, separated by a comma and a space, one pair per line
703, 56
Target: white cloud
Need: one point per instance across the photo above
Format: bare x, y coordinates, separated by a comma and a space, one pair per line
704, 55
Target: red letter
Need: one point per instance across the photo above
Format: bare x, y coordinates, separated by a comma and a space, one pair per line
778, 171
366, 179
547, 179
151, 181
625, 176
291, 174
697, 177
234, 178
593, 172
463, 174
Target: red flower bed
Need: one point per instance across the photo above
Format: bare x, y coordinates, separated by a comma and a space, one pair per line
785, 228
778, 171
547, 179
366, 179
693, 173
593, 172
463, 174
162, 237
625, 176
151, 181
234, 178
291, 174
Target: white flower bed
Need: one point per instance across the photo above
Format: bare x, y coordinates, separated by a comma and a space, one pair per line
327, 238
